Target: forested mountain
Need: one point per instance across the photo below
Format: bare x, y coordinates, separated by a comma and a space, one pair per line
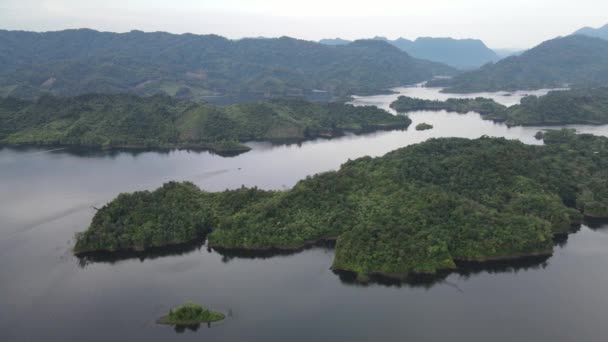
129, 121
335, 41
458, 53
73, 62
600, 32
574, 60
418, 209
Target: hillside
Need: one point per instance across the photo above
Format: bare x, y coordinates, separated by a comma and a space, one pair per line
573, 60
458, 53
74, 62
600, 32
129, 121
418, 209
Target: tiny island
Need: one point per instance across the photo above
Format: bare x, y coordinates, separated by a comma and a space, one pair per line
190, 314
423, 126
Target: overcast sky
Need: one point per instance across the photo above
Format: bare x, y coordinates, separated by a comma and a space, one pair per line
499, 23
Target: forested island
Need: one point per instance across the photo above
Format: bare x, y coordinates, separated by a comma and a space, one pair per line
190, 314
423, 126
480, 105
416, 210
563, 107
160, 121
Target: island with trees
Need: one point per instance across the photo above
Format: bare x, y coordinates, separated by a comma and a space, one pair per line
417, 210
481, 105
133, 122
423, 126
560, 107
190, 314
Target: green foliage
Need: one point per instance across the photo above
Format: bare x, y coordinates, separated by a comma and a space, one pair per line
160, 121
423, 126
577, 106
418, 209
190, 313
572, 60
480, 105
74, 62
172, 214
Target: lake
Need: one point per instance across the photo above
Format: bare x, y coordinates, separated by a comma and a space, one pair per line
47, 294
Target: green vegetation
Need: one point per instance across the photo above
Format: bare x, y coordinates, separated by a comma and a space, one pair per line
190, 314
423, 126
480, 105
577, 106
129, 121
573, 60
75, 62
418, 209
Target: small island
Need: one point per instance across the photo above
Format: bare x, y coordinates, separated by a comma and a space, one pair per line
128, 121
190, 314
423, 126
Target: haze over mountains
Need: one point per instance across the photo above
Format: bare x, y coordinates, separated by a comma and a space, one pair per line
458, 53
574, 61
73, 62
601, 32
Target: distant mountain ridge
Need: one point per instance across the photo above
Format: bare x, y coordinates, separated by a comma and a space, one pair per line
574, 61
73, 62
458, 53
600, 32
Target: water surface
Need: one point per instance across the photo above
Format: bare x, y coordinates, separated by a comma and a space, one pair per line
47, 294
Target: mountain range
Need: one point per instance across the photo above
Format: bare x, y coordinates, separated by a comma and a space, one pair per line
601, 32
573, 61
458, 53
73, 62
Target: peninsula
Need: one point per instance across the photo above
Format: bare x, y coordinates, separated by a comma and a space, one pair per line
162, 122
418, 209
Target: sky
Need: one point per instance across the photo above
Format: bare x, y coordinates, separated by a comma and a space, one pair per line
499, 23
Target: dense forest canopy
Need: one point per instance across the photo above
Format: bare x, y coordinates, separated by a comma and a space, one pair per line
573, 60
74, 62
129, 121
577, 106
418, 209
190, 314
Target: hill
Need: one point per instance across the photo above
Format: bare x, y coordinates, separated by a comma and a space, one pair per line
458, 53
129, 121
418, 209
600, 32
74, 62
573, 60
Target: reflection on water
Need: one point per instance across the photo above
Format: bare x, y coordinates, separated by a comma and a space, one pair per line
85, 259
46, 197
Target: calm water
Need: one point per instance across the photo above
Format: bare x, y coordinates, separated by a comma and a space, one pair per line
48, 295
